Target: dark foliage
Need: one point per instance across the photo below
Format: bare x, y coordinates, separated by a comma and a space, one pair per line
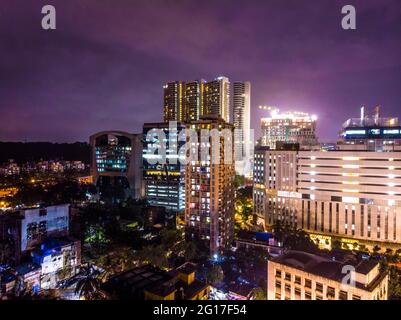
35, 151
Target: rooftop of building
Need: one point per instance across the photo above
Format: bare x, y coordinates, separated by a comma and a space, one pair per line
187, 268
19, 212
327, 265
6, 274
370, 123
371, 120
52, 245
162, 125
210, 118
133, 283
27, 267
289, 115
242, 289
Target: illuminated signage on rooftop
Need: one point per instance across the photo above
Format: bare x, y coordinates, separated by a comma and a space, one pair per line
373, 133
391, 131
355, 132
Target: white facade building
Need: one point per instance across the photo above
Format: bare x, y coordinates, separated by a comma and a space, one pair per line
242, 122
354, 196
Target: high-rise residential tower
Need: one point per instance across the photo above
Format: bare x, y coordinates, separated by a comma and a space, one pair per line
192, 100
216, 98
183, 100
172, 101
242, 122
209, 207
187, 101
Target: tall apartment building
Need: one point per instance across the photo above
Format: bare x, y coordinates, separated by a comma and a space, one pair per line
164, 183
351, 196
370, 133
187, 101
289, 127
216, 98
172, 101
209, 186
298, 275
193, 100
242, 121
116, 161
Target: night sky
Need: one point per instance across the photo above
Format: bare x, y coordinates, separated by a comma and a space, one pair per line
104, 66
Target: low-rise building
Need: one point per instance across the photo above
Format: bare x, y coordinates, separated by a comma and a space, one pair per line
28, 275
58, 259
25, 278
24, 229
150, 283
7, 282
298, 275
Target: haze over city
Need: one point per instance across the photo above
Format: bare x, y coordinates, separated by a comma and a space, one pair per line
105, 64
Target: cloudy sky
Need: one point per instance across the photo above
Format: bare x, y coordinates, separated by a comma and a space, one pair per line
104, 66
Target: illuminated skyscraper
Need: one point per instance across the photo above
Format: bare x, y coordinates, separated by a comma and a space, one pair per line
116, 163
209, 209
164, 183
187, 101
289, 127
242, 121
370, 133
193, 100
216, 98
172, 101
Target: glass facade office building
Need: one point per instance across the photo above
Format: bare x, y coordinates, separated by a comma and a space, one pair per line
116, 164
113, 155
164, 182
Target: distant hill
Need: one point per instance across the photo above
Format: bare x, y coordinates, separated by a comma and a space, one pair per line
34, 151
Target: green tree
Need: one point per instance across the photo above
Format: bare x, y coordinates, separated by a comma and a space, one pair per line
394, 285
336, 244
376, 249
155, 255
389, 251
239, 181
363, 248
170, 237
190, 251
259, 294
215, 274
96, 235
88, 287
6, 251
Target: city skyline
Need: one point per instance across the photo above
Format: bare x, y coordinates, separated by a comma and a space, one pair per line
203, 151
122, 55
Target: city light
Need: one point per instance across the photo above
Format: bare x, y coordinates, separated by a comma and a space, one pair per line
130, 170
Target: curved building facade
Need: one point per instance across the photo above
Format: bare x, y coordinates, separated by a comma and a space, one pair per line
116, 162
